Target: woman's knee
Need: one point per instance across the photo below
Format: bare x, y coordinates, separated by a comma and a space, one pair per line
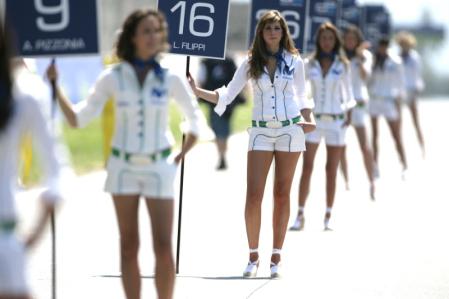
129, 247
163, 249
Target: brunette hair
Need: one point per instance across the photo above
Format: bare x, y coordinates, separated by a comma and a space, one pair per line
258, 52
338, 47
124, 46
352, 29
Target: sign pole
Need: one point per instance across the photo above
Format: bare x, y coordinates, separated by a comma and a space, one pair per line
53, 216
181, 188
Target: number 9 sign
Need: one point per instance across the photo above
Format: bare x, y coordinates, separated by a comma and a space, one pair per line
198, 28
57, 27
294, 12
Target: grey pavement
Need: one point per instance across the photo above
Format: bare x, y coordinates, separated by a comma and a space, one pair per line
395, 247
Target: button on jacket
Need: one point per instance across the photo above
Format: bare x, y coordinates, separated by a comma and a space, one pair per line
141, 124
27, 118
388, 82
412, 71
359, 87
282, 99
332, 93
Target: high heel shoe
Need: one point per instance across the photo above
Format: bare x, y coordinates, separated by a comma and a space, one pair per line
299, 223
252, 267
327, 218
275, 268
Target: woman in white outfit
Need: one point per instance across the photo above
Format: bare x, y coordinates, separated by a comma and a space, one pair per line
328, 71
281, 114
361, 65
140, 163
20, 115
414, 83
386, 88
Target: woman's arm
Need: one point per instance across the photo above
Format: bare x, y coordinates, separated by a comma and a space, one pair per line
208, 95
63, 101
308, 125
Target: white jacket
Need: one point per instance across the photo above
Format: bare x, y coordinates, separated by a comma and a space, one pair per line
27, 118
281, 100
389, 82
359, 87
141, 121
332, 93
413, 72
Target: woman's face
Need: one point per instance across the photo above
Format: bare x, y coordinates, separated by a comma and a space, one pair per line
404, 46
327, 41
272, 34
382, 50
350, 40
148, 38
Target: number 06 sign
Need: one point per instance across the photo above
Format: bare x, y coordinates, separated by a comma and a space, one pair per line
54, 27
197, 28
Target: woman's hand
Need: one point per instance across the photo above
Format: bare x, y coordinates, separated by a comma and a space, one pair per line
307, 127
52, 72
192, 84
46, 210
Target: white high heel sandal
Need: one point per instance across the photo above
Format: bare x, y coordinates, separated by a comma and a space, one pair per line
252, 267
275, 268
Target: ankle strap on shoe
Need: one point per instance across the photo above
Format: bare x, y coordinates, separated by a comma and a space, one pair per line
254, 250
276, 251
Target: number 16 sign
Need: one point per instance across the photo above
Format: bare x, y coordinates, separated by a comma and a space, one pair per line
197, 28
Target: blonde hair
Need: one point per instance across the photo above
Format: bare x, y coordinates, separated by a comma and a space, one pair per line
258, 52
407, 38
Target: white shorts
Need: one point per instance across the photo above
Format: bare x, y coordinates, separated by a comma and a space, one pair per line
359, 116
12, 266
384, 107
333, 132
155, 180
287, 139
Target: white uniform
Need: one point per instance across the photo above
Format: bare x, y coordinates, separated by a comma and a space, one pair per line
277, 105
27, 118
333, 97
414, 82
138, 163
386, 87
359, 87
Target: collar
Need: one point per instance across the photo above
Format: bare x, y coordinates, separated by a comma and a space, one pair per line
151, 63
280, 58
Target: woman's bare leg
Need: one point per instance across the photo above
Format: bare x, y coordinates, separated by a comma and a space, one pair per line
161, 215
368, 159
257, 170
285, 165
126, 208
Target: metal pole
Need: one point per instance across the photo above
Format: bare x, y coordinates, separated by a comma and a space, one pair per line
53, 216
181, 187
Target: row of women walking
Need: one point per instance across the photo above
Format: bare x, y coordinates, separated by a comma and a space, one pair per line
285, 122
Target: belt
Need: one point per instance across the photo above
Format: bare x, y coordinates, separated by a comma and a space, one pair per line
7, 226
141, 158
360, 104
276, 124
329, 117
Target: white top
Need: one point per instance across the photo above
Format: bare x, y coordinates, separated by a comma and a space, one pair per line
141, 117
282, 99
413, 72
332, 93
359, 85
388, 83
27, 118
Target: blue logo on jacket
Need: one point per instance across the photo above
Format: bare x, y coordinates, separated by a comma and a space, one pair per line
158, 95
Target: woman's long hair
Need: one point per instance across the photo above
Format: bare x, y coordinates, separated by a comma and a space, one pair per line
258, 52
338, 47
6, 82
124, 48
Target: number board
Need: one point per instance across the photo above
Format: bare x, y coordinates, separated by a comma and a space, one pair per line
197, 28
376, 23
294, 12
320, 11
350, 14
54, 27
